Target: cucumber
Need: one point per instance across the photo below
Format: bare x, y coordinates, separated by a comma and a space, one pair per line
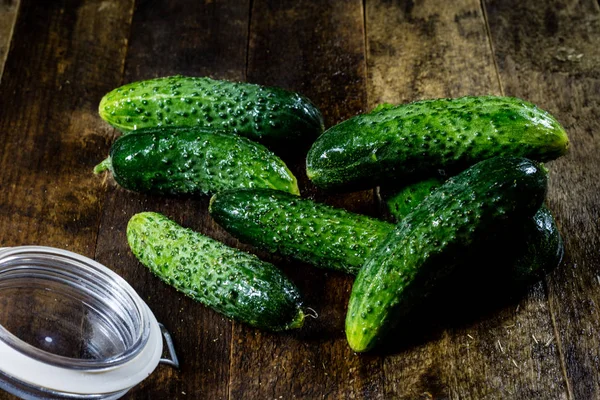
541, 250
257, 112
416, 140
194, 161
435, 237
336, 239
234, 283
404, 200
536, 248
301, 229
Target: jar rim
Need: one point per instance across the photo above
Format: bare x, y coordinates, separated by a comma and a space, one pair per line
82, 270
71, 381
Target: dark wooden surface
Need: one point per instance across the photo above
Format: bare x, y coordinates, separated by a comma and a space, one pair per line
59, 57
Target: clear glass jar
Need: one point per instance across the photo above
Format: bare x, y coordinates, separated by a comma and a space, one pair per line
71, 328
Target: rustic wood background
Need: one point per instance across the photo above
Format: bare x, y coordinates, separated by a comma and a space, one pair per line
59, 57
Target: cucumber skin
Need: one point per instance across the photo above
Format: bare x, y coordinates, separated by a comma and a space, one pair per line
301, 229
540, 251
195, 161
535, 250
231, 282
257, 112
418, 139
427, 244
336, 239
406, 199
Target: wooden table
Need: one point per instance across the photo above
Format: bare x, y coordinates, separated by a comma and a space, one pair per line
59, 57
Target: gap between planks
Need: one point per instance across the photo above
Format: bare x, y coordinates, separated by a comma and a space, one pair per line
122, 73
560, 350
491, 43
233, 323
250, 6
7, 40
366, 59
561, 354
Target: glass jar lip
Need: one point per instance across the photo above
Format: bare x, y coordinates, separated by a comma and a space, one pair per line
92, 270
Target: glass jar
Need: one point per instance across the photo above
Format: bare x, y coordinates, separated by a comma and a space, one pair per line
72, 328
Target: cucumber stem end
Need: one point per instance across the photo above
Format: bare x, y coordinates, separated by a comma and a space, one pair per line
103, 166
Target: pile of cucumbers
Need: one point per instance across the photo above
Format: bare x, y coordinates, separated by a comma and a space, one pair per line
461, 176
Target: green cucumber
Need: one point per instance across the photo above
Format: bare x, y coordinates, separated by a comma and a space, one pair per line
536, 248
404, 200
231, 282
540, 251
257, 112
333, 238
194, 161
434, 238
416, 140
299, 228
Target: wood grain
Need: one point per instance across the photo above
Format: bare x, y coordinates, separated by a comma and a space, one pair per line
317, 49
56, 67
208, 38
550, 55
49, 121
8, 16
347, 56
429, 49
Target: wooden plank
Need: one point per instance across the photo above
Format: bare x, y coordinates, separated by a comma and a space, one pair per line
317, 49
58, 65
436, 48
167, 38
63, 55
427, 49
8, 16
549, 53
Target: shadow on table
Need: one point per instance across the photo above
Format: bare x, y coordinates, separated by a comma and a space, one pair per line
462, 301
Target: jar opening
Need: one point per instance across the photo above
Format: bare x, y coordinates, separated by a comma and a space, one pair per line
67, 310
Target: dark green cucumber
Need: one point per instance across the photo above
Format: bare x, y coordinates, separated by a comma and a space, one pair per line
541, 249
404, 200
417, 139
194, 161
334, 238
434, 238
302, 229
536, 247
234, 283
257, 112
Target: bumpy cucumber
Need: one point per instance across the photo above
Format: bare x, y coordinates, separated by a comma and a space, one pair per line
334, 238
194, 161
535, 249
257, 112
302, 229
234, 283
418, 139
541, 249
404, 200
536, 246
429, 242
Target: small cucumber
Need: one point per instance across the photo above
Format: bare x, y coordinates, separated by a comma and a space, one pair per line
194, 161
260, 113
418, 139
404, 200
337, 239
299, 228
540, 251
433, 239
234, 283
536, 248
